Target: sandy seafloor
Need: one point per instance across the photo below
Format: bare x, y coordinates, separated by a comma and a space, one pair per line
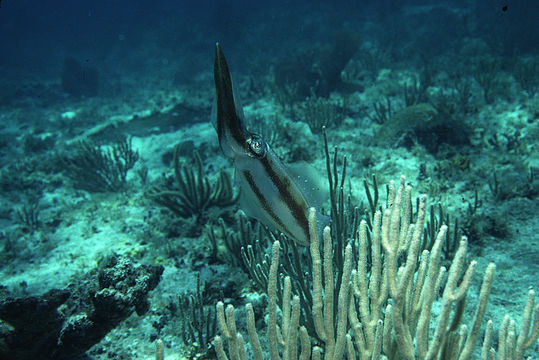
88, 226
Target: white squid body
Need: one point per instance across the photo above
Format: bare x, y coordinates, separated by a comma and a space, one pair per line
270, 191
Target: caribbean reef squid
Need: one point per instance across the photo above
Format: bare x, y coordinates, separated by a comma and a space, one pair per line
270, 191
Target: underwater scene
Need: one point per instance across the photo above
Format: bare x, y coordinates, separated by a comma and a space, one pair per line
287, 179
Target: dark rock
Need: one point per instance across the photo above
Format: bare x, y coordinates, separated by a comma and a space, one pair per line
32, 327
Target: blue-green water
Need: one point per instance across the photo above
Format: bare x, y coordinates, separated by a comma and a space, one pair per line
100, 100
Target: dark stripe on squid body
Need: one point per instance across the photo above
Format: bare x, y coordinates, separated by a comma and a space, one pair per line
277, 197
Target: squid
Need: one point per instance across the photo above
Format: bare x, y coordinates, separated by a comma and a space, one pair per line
270, 191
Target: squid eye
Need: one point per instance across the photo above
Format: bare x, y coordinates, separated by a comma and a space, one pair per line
257, 147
